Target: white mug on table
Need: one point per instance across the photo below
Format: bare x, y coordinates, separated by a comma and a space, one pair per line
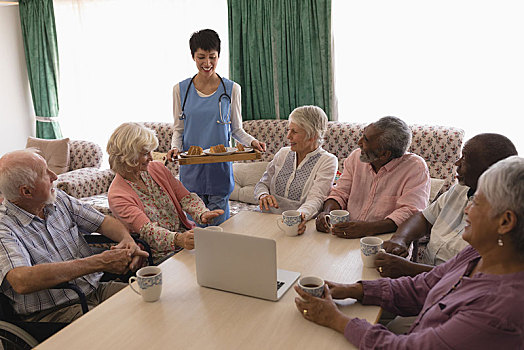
336, 217
289, 222
369, 247
149, 281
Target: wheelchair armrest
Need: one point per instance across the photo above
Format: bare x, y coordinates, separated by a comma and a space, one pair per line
146, 247
75, 288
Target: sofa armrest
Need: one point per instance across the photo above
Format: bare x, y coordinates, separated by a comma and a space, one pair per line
85, 182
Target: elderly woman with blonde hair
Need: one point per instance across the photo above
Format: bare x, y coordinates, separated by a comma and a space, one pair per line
300, 176
145, 195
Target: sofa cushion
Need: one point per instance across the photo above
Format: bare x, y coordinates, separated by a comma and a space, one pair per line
246, 177
55, 152
98, 202
85, 182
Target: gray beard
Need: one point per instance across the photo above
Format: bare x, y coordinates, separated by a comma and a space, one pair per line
52, 197
366, 158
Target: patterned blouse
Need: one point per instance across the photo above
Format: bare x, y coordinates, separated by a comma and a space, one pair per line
160, 232
303, 187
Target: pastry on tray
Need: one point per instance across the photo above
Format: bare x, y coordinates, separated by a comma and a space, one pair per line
195, 151
240, 147
217, 149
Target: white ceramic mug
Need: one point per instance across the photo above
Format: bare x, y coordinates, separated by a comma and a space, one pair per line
336, 217
369, 247
214, 228
289, 222
312, 285
149, 281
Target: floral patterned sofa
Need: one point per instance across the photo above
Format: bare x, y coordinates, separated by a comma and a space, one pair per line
85, 179
439, 146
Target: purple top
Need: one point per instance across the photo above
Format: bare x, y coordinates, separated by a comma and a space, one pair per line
454, 311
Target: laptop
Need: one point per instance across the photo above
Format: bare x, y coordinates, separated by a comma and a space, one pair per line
240, 264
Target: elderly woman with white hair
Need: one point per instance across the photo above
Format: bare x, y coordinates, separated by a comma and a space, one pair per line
145, 195
300, 176
473, 301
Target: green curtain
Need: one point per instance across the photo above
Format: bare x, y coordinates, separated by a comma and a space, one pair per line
282, 48
41, 52
250, 56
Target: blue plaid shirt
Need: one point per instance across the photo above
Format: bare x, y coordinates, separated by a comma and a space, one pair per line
27, 240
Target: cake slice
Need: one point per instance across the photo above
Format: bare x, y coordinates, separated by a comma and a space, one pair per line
217, 149
195, 151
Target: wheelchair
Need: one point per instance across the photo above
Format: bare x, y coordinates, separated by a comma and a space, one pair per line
16, 334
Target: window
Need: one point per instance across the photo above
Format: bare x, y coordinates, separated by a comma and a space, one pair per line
119, 59
454, 63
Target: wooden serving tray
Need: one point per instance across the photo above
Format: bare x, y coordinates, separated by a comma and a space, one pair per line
219, 159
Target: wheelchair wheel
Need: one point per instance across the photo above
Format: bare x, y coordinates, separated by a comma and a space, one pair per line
15, 338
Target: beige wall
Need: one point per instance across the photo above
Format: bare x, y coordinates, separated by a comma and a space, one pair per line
16, 110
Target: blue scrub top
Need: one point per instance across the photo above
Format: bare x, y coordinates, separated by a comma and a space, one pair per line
201, 129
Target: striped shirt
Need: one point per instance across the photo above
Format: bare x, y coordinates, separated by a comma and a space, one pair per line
28, 240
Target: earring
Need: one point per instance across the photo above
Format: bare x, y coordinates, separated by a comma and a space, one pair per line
500, 242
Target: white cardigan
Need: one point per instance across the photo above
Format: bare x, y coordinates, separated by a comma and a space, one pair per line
304, 188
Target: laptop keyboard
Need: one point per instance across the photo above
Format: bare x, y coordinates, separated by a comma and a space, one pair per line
280, 284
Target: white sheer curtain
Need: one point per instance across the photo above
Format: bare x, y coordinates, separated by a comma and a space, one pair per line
119, 59
445, 62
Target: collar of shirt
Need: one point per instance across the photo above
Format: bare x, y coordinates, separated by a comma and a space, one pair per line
309, 155
23, 216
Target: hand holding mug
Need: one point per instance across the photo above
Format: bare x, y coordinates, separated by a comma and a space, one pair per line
352, 229
322, 311
396, 248
302, 225
321, 223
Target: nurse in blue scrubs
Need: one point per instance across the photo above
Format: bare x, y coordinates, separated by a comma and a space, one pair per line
207, 112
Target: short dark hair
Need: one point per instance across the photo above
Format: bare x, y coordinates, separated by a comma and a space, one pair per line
493, 147
205, 39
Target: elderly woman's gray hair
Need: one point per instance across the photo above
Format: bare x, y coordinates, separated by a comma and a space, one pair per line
126, 144
503, 186
16, 171
396, 136
312, 119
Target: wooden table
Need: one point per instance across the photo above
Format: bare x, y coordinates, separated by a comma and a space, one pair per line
188, 316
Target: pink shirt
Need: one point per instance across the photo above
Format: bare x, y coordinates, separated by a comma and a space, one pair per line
128, 208
399, 189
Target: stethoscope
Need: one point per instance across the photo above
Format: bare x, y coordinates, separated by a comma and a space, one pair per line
182, 115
